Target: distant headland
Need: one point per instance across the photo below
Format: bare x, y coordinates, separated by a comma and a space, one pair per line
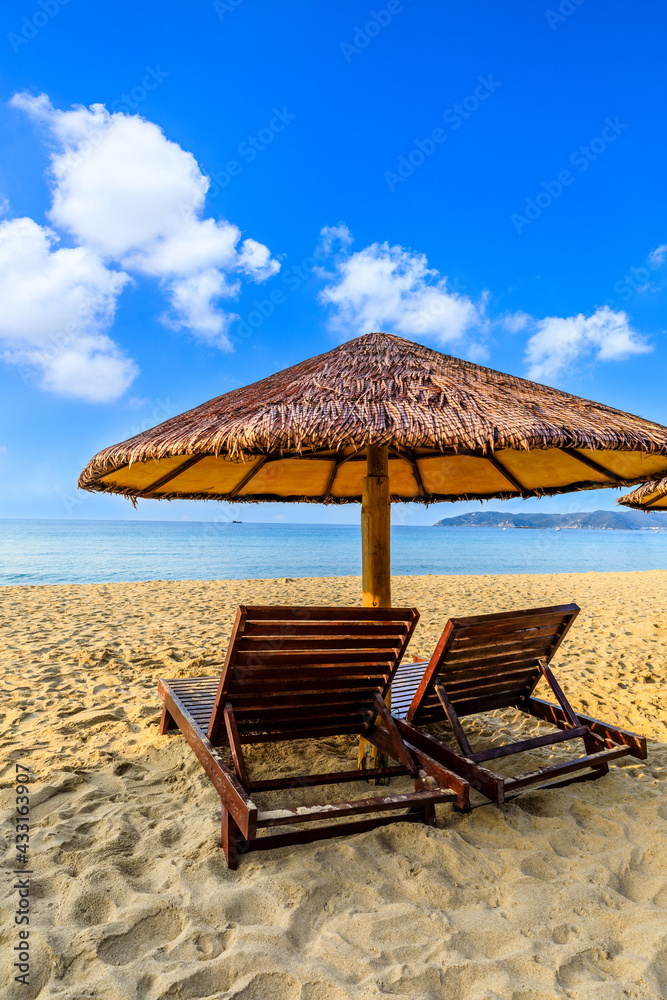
619, 520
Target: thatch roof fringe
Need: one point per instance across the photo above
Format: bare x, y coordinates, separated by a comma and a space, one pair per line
656, 489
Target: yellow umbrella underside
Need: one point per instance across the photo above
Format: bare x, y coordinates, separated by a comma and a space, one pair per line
423, 475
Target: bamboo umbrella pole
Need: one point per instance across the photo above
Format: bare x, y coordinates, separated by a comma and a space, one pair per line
375, 559
375, 521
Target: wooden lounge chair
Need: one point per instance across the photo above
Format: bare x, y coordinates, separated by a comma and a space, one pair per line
303, 673
489, 662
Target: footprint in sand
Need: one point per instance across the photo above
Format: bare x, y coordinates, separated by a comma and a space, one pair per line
210, 981
322, 991
143, 937
541, 867
170, 835
643, 880
640, 887
563, 933
657, 971
270, 986
660, 898
92, 908
248, 907
594, 965
198, 946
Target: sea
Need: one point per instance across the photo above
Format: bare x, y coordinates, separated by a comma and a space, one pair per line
69, 551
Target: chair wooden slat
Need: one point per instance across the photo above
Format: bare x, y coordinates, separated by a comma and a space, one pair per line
282, 713
308, 614
492, 650
309, 643
503, 619
310, 657
497, 638
284, 679
350, 629
250, 700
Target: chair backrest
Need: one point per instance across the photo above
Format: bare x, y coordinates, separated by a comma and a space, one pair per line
490, 661
306, 672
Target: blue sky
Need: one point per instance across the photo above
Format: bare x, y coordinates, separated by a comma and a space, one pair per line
484, 179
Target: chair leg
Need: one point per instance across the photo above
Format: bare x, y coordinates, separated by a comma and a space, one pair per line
166, 722
426, 811
229, 838
429, 816
593, 744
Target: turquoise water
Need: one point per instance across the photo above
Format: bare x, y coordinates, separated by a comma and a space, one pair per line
43, 551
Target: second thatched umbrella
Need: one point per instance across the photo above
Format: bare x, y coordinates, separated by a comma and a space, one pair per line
648, 496
381, 419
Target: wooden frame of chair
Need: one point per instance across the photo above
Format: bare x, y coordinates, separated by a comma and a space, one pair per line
303, 673
486, 662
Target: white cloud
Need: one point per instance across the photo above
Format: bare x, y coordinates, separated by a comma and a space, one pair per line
335, 238
132, 198
515, 322
92, 368
255, 260
55, 308
388, 288
191, 298
656, 258
559, 342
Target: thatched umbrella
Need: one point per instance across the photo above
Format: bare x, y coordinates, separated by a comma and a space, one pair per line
649, 496
382, 419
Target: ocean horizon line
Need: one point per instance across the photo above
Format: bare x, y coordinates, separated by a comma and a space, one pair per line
273, 523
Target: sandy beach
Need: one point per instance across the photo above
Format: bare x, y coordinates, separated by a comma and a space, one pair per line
556, 894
